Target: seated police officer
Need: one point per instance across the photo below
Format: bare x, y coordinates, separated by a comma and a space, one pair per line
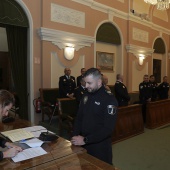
67, 84
121, 92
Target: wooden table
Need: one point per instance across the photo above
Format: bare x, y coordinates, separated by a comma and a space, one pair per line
61, 155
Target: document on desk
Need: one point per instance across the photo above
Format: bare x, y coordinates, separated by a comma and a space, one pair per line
17, 135
28, 154
34, 142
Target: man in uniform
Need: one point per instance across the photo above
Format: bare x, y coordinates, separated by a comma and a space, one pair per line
145, 94
67, 84
79, 91
121, 92
154, 86
83, 70
96, 118
163, 88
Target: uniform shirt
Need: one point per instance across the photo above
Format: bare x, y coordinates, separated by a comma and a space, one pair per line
163, 89
121, 94
154, 87
78, 80
78, 93
66, 86
2, 144
145, 91
96, 120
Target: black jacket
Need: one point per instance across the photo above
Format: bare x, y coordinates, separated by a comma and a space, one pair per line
2, 144
96, 120
121, 94
66, 86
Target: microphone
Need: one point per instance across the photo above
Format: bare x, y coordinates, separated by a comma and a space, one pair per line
47, 136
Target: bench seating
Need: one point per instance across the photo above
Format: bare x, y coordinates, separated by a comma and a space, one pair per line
129, 123
157, 113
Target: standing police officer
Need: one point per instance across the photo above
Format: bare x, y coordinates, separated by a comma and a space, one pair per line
145, 94
121, 92
163, 88
96, 118
67, 84
154, 86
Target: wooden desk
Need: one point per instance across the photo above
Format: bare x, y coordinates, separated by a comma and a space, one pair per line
61, 155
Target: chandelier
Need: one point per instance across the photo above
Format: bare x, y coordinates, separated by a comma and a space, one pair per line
161, 4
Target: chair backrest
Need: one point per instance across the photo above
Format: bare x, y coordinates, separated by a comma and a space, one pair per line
49, 95
67, 106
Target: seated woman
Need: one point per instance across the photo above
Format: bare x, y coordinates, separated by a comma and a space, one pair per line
6, 102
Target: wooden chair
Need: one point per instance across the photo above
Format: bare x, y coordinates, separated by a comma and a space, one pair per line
48, 98
67, 109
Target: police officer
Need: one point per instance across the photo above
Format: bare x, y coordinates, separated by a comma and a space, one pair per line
80, 91
83, 70
96, 118
121, 92
145, 94
67, 84
154, 86
163, 88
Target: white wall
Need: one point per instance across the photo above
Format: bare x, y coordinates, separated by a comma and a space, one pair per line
57, 69
137, 76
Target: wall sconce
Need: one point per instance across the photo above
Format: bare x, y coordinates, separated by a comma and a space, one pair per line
69, 53
141, 57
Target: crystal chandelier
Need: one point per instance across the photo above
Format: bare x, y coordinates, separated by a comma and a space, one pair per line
161, 4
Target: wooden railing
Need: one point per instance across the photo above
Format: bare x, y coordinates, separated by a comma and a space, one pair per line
129, 123
157, 113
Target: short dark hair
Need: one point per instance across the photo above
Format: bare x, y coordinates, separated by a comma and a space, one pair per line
152, 76
94, 72
118, 76
6, 98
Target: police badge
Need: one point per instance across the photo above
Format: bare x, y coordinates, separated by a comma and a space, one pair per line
85, 99
111, 109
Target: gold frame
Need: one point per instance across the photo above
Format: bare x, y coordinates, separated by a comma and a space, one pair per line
105, 61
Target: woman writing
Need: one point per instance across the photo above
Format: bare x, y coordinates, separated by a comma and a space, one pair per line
6, 102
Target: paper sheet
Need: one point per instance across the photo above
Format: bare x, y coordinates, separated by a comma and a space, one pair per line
28, 154
33, 142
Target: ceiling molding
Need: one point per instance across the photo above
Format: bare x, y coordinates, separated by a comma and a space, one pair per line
136, 50
120, 14
63, 39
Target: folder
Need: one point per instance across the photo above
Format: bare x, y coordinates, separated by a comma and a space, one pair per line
17, 135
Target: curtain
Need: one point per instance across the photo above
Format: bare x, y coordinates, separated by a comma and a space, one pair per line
17, 44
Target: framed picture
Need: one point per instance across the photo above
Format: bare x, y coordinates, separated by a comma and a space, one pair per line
105, 61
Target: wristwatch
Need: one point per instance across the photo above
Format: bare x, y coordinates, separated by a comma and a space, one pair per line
85, 140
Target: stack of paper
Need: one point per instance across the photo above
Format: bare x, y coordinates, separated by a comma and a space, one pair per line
17, 135
28, 154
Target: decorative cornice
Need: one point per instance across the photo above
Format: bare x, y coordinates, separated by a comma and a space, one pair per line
63, 39
136, 50
120, 14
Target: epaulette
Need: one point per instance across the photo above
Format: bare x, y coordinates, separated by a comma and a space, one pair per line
76, 88
108, 92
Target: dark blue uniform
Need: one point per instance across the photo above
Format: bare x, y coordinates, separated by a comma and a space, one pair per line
95, 121
121, 94
163, 89
2, 144
78, 93
145, 92
66, 86
154, 87
78, 80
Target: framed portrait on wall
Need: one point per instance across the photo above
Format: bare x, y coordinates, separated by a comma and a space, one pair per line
105, 61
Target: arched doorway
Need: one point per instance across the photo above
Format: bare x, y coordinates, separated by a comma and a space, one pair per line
11, 10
